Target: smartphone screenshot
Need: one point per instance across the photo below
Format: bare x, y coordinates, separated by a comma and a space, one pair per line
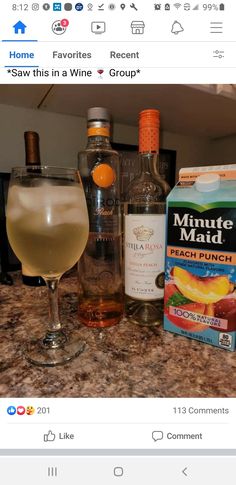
117, 242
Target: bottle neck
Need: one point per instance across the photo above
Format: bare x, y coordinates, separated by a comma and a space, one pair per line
98, 134
98, 141
32, 153
149, 146
149, 163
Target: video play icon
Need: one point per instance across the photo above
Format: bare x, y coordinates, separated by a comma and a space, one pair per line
98, 27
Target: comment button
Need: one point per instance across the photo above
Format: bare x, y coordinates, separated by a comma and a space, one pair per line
157, 435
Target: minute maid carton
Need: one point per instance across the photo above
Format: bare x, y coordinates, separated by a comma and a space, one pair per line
200, 295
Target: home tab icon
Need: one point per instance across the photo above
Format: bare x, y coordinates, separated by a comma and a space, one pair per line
19, 27
137, 27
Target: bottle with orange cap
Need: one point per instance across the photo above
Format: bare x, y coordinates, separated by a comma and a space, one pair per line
144, 241
100, 278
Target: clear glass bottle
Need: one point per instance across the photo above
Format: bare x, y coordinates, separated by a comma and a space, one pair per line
100, 267
144, 241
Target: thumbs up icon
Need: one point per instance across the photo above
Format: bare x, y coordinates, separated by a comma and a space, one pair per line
50, 436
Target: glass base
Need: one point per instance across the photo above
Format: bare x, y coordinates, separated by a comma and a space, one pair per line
36, 352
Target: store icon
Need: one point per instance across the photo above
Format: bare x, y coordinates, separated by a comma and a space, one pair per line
137, 27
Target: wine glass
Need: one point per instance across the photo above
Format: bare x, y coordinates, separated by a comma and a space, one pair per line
47, 226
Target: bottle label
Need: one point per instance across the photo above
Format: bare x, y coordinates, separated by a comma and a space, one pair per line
144, 256
100, 266
98, 131
104, 212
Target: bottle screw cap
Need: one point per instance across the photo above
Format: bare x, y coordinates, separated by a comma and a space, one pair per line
98, 114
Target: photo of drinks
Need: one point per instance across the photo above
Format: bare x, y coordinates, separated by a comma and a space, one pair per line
118, 236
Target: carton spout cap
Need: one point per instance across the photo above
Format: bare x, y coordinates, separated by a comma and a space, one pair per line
207, 182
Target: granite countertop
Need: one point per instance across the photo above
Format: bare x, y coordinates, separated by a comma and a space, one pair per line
122, 361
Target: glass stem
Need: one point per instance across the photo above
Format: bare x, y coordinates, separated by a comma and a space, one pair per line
55, 336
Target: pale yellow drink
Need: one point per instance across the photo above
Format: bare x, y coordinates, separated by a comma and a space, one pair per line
47, 226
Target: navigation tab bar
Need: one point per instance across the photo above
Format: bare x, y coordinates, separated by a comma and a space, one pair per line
114, 62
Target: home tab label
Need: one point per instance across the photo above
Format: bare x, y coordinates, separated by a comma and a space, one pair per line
21, 55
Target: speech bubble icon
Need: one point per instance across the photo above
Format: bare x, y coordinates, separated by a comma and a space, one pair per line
157, 435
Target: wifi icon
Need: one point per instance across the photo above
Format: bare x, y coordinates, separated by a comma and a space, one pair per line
177, 5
